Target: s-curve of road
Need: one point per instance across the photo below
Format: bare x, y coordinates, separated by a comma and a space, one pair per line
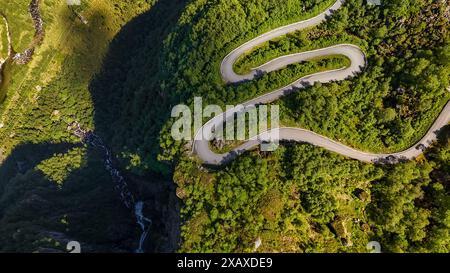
358, 62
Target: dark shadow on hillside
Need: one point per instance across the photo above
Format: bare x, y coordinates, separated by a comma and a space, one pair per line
37, 214
85, 208
26, 156
443, 135
130, 110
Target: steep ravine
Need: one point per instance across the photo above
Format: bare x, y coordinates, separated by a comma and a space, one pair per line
165, 237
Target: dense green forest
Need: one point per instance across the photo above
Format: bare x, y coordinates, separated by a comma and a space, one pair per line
122, 72
388, 107
304, 199
392, 104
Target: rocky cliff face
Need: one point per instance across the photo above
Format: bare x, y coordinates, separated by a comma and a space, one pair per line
162, 207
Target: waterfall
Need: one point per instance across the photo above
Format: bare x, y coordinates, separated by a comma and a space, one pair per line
127, 197
143, 222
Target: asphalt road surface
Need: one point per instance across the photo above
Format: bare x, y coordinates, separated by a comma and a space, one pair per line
358, 62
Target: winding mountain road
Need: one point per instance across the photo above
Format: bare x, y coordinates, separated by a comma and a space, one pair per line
358, 62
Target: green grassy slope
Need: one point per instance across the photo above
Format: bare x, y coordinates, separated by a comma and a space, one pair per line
52, 189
